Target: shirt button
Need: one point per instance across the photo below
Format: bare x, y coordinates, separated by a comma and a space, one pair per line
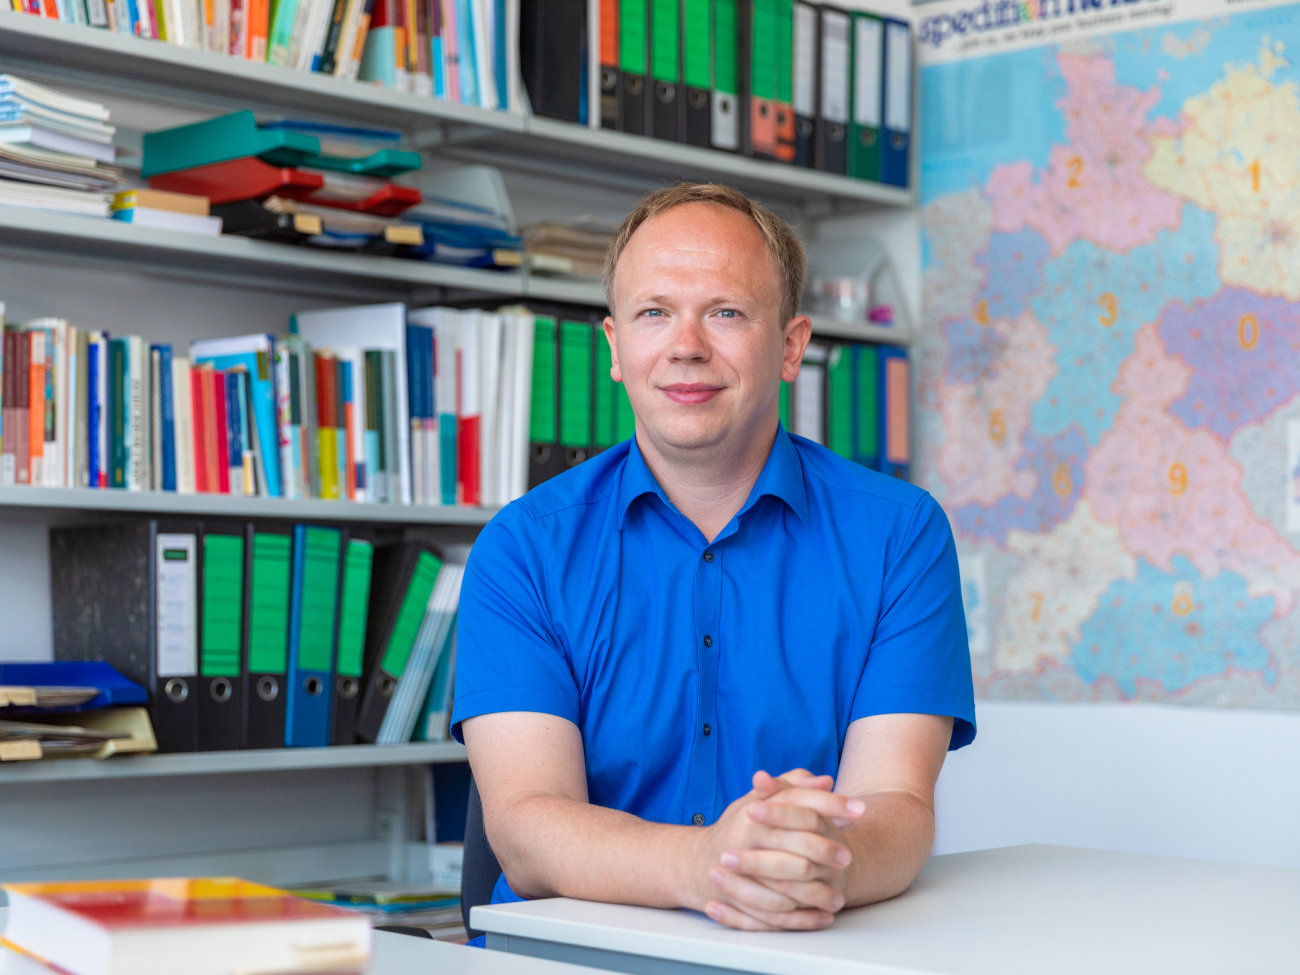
698, 819
708, 640
708, 730
708, 556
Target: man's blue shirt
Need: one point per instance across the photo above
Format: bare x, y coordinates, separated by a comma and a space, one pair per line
687, 665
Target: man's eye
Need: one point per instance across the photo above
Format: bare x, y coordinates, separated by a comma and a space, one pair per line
652, 312
728, 313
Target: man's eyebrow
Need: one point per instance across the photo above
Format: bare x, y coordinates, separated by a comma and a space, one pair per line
664, 299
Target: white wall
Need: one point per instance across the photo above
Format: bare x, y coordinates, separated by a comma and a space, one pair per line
1219, 784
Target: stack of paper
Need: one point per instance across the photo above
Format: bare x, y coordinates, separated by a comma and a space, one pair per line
56, 151
573, 247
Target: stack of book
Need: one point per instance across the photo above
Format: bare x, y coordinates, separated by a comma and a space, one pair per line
203, 926
56, 151
170, 211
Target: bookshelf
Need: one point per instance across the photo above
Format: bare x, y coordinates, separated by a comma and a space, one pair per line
310, 815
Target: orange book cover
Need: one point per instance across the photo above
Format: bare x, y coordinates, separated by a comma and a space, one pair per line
36, 406
203, 926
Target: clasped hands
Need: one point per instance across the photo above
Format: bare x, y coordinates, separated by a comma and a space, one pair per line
776, 859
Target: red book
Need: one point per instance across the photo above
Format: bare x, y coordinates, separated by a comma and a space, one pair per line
467, 430
202, 926
220, 431
200, 421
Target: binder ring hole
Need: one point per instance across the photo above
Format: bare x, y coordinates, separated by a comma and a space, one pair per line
221, 690
315, 686
176, 690
348, 687
699, 99
634, 85
268, 688
386, 685
667, 93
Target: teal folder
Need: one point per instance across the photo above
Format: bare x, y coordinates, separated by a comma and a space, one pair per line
867, 96
238, 135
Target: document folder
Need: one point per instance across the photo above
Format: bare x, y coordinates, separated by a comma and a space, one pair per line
782, 15
758, 25
575, 392
896, 140
353, 600
552, 51
864, 122
807, 44
633, 65
221, 626
313, 627
607, 32
545, 459
665, 69
127, 594
830, 134
727, 109
895, 411
239, 179
866, 405
697, 72
402, 582
267, 560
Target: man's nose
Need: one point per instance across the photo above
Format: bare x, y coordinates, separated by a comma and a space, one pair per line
690, 340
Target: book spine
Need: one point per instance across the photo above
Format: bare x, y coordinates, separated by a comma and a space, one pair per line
199, 408
8, 419
220, 434
138, 467
155, 419
183, 406
327, 431
36, 409
166, 418
333, 34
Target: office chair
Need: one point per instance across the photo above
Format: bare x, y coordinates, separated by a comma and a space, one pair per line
480, 870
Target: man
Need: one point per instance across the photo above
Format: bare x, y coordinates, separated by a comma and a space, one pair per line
668, 655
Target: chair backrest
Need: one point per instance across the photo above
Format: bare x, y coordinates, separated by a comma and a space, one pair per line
480, 870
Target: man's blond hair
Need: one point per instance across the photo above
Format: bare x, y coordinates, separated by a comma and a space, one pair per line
783, 243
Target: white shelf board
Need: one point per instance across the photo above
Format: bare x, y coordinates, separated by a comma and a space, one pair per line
22, 230
217, 763
773, 182
115, 500
52, 47
834, 328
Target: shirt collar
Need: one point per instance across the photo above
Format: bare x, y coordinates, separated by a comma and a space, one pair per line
781, 477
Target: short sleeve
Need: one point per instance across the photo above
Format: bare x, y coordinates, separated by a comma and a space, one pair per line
919, 658
507, 658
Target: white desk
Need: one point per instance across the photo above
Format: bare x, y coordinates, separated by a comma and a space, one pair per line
394, 954
1022, 910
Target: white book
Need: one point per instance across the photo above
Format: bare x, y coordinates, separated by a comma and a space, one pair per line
30, 91
291, 474
183, 414
519, 380
26, 133
489, 372
169, 220
375, 327
484, 37
79, 407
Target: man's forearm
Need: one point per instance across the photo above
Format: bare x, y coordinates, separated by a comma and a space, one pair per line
890, 844
551, 846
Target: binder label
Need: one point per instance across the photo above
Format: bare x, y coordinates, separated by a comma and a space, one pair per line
866, 101
177, 561
805, 56
835, 66
898, 86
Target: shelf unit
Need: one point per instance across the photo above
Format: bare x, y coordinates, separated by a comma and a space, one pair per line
278, 760
310, 815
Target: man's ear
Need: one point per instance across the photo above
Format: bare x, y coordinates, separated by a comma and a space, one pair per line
614, 372
797, 333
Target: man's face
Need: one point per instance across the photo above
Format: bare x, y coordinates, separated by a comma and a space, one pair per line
696, 333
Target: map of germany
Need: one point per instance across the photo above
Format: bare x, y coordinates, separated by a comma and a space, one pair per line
1109, 368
